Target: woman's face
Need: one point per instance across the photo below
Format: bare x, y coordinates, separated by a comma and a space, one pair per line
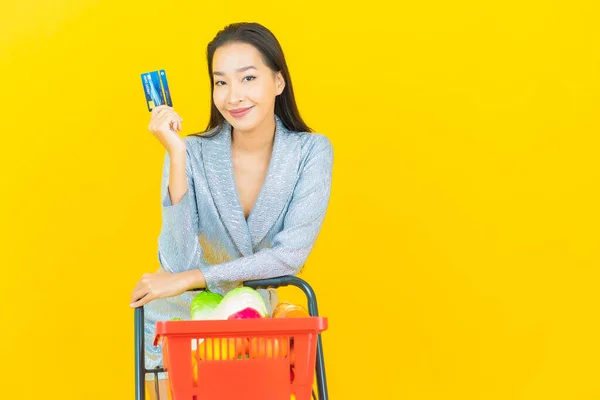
243, 82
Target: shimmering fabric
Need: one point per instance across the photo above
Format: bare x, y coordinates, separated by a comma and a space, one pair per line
207, 228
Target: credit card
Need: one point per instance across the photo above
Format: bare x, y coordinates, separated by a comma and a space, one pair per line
156, 89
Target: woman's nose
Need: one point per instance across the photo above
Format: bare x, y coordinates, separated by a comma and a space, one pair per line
235, 94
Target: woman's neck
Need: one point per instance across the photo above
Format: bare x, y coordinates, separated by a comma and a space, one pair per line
258, 140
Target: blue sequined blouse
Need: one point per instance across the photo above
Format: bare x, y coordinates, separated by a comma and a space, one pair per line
207, 229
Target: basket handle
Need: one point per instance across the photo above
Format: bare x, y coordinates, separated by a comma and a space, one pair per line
290, 280
287, 280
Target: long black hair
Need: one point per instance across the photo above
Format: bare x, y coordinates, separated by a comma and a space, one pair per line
267, 44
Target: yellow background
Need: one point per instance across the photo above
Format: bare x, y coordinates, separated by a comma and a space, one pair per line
459, 258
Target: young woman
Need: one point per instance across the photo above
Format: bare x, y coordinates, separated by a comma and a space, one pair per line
246, 198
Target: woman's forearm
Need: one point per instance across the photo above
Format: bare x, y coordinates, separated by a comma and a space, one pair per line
177, 179
194, 279
178, 244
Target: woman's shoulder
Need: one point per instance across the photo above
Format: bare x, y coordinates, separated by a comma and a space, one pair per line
313, 143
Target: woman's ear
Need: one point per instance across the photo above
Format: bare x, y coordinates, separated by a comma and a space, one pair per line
280, 83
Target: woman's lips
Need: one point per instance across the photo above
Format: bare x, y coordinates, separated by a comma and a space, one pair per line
240, 112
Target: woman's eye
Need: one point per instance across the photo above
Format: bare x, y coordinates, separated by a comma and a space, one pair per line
221, 83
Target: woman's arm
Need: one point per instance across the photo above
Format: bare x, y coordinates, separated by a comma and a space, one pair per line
177, 177
178, 246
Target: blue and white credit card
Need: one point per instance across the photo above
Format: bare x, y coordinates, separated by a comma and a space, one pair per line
156, 89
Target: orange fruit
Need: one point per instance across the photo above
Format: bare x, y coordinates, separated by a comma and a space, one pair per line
194, 366
268, 348
218, 349
289, 310
280, 307
292, 357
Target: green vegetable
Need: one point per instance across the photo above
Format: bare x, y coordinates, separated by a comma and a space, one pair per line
204, 304
239, 299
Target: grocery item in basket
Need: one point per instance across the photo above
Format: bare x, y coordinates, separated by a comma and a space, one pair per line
218, 349
289, 310
269, 348
239, 299
239, 303
204, 304
292, 353
246, 313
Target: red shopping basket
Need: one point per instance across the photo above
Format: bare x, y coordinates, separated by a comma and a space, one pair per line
240, 359
252, 359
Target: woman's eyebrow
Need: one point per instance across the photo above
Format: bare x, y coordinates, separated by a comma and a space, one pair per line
237, 70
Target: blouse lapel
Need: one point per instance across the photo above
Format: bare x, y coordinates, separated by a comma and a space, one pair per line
279, 182
274, 194
218, 166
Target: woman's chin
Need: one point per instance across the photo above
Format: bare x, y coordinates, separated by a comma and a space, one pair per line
246, 123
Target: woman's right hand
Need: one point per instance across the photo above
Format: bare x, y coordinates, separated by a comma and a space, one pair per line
164, 124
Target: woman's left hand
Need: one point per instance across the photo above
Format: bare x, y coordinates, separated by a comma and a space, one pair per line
158, 285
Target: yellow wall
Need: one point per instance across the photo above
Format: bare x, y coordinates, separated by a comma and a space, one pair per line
464, 207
